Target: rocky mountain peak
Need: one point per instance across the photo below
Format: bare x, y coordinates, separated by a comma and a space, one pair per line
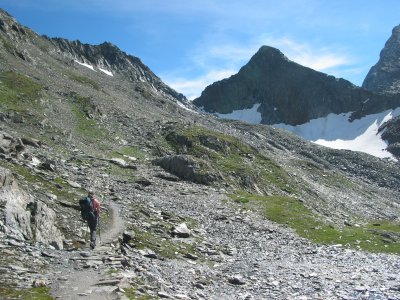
286, 92
384, 77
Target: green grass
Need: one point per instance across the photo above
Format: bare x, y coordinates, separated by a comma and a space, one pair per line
39, 293
293, 213
84, 80
158, 238
163, 246
132, 295
66, 193
131, 151
17, 91
88, 128
241, 165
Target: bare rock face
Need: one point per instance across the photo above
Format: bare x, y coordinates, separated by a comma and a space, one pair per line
288, 92
188, 167
17, 219
391, 133
384, 77
24, 217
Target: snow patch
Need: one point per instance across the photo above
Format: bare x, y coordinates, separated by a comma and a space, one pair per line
85, 65
250, 115
183, 106
109, 73
336, 131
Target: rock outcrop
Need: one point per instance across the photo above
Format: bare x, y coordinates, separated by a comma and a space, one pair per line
24, 217
288, 92
384, 77
188, 168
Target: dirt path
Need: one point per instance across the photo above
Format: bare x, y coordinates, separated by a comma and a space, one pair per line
81, 274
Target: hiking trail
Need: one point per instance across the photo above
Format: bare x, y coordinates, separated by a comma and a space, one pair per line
81, 273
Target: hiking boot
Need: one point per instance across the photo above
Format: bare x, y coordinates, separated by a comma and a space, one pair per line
92, 245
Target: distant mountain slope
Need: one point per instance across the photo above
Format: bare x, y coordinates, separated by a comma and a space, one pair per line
108, 58
384, 77
288, 92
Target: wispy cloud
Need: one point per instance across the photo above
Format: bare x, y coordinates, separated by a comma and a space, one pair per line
192, 87
315, 57
219, 62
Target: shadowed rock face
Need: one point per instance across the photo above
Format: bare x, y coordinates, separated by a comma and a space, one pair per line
384, 77
288, 92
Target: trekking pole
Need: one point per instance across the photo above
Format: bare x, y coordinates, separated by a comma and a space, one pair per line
98, 222
87, 232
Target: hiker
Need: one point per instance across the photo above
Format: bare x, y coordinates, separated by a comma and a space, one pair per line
90, 212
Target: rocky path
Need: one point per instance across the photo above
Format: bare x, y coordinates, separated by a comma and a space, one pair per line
80, 274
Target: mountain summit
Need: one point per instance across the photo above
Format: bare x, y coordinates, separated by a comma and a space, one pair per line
288, 92
384, 77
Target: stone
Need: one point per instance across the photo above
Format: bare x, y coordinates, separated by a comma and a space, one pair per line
74, 184
164, 295
127, 236
39, 283
188, 167
148, 253
181, 231
236, 280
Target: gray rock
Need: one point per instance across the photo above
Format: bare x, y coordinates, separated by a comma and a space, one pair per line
188, 167
148, 253
181, 231
236, 280
74, 184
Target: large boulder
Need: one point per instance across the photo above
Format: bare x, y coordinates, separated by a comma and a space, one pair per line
13, 205
26, 218
188, 167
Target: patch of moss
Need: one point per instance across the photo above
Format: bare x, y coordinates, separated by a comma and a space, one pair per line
294, 214
38, 293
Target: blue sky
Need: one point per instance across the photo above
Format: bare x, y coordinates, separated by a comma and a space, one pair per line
192, 43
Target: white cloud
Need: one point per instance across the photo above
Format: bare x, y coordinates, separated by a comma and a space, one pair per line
221, 61
312, 56
192, 88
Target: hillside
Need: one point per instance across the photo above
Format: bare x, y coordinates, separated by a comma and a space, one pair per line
193, 207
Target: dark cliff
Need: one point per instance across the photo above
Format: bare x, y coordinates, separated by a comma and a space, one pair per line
384, 77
